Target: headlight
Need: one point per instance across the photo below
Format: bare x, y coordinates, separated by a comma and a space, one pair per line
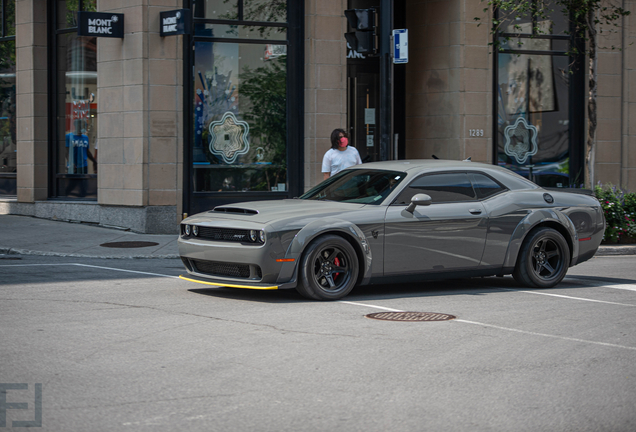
195, 230
253, 236
187, 230
261, 235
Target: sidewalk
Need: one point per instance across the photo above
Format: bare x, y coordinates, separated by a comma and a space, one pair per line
27, 235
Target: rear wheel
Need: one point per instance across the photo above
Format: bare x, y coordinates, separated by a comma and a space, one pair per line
544, 259
329, 269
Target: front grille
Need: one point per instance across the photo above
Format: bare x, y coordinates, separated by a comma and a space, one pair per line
215, 268
224, 234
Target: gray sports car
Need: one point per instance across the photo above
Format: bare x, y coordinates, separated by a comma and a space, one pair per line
395, 221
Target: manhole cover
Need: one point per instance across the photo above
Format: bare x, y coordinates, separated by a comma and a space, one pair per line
410, 316
129, 244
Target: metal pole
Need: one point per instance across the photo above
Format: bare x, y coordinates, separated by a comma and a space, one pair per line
386, 79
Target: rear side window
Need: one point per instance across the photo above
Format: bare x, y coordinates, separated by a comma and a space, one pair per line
485, 186
444, 187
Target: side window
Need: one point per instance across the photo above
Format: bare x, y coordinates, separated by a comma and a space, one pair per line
445, 187
485, 186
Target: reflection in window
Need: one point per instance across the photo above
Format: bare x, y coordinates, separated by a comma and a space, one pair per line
243, 10
265, 10
533, 117
447, 187
8, 150
548, 18
216, 9
357, 186
67, 11
240, 118
76, 104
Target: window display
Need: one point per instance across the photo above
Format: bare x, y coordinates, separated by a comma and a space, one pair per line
240, 118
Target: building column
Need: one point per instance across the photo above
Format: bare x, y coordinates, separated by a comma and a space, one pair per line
140, 88
31, 100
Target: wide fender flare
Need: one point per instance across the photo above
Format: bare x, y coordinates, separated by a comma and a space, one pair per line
527, 224
289, 271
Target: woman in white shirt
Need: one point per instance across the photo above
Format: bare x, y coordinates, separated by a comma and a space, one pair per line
340, 156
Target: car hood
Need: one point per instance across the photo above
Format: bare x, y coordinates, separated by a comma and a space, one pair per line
277, 210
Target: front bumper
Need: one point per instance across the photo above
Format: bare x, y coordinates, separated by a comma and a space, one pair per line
265, 263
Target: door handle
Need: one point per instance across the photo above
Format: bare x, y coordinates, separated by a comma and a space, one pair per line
475, 211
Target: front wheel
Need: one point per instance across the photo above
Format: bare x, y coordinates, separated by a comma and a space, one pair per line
544, 259
329, 269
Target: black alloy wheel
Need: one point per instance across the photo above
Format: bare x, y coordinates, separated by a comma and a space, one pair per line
329, 269
543, 260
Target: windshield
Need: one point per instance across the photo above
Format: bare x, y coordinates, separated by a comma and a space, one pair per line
357, 186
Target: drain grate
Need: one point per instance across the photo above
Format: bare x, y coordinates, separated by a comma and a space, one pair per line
410, 316
129, 244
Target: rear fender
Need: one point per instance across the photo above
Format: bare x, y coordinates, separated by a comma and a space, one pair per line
288, 277
533, 219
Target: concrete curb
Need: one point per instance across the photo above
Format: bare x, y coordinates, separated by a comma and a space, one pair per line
13, 251
616, 250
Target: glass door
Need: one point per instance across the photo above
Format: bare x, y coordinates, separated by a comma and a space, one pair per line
363, 109
244, 125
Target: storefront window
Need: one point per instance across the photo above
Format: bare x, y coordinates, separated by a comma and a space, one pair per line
240, 117
532, 111
8, 159
76, 106
240, 97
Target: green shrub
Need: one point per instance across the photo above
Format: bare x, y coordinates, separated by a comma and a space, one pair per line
629, 206
612, 200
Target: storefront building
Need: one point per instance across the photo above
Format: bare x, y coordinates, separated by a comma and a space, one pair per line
221, 101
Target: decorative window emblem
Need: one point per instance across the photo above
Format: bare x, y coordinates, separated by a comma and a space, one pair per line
521, 140
228, 138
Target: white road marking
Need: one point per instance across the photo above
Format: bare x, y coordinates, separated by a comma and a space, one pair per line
507, 328
93, 266
568, 297
371, 306
625, 287
546, 335
128, 271
398, 310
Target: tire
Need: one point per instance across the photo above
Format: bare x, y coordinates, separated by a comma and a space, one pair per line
544, 259
328, 269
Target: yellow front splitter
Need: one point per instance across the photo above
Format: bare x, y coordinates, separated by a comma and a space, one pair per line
254, 287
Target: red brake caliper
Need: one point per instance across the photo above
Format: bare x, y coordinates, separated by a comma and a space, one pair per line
336, 261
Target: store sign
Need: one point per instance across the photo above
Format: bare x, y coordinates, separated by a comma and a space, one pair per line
175, 22
100, 24
521, 140
400, 46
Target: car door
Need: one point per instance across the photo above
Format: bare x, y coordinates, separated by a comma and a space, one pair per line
447, 235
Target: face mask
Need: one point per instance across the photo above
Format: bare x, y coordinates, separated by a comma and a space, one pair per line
344, 142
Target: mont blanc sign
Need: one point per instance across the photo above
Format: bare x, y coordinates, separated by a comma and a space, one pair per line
174, 22
100, 24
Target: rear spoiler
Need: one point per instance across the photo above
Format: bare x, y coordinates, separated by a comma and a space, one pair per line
572, 190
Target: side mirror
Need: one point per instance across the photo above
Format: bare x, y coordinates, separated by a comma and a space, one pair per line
419, 200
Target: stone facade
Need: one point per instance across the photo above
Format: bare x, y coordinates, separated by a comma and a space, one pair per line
140, 104
140, 117
325, 81
448, 81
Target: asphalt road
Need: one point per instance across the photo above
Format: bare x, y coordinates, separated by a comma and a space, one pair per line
123, 345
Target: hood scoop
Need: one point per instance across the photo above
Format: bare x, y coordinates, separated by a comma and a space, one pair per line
234, 210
